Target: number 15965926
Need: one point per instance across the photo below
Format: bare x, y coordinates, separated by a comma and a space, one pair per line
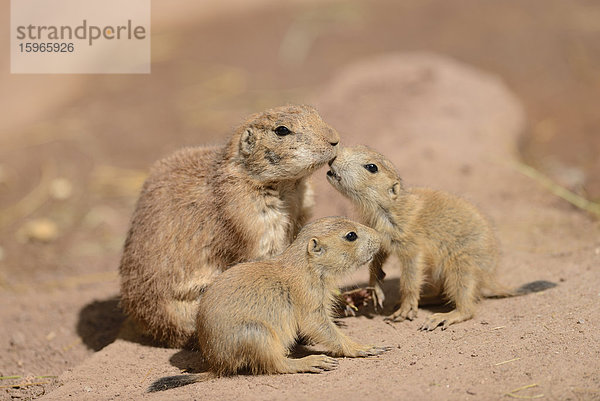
46, 47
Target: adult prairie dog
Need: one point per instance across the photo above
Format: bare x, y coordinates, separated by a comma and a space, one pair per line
253, 313
440, 240
204, 209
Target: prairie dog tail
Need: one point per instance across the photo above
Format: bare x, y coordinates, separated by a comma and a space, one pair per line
169, 382
498, 291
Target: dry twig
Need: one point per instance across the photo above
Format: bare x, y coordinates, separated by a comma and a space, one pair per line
527, 397
503, 362
561, 192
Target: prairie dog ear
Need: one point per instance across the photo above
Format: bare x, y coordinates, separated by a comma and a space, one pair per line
314, 247
247, 141
395, 190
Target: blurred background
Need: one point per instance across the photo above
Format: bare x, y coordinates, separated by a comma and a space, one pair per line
74, 150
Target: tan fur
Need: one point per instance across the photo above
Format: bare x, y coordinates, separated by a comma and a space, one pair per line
439, 239
204, 209
252, 314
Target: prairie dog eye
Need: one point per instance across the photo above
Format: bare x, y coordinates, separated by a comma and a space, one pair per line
351, 236
372, 168
282, 130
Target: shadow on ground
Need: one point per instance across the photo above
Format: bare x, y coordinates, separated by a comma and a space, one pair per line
102, 322
391, 290
188, 361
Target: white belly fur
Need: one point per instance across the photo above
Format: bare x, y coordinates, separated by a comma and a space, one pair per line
272, 225
274, 238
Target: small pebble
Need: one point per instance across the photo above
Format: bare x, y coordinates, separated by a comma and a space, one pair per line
580, 321
17, 339
42, 230
61, 188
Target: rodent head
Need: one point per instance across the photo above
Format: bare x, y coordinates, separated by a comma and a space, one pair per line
284, 143
365, 176
335, 246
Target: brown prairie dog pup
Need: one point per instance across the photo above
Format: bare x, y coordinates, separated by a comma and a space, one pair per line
252, 314
204, 209
439, 239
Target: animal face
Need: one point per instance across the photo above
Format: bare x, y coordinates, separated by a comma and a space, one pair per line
364, 176
288, 142
337, 245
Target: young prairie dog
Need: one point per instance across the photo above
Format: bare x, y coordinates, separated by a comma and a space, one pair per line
440, 240
253, 313
204, 209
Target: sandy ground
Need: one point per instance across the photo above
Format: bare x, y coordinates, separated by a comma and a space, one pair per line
464, 144
445, 125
